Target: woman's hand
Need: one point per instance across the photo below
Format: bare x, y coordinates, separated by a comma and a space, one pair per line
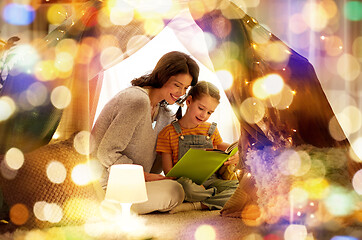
149, 177
233, 160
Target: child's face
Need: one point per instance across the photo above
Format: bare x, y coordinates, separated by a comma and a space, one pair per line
199, 110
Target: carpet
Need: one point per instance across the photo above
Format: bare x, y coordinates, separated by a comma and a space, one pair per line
157, 226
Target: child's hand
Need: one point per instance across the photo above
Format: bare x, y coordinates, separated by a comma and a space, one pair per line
149, 177
232, 160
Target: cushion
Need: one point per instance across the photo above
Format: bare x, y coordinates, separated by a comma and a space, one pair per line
43, 193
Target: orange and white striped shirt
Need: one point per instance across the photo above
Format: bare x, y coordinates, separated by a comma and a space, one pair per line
167, 140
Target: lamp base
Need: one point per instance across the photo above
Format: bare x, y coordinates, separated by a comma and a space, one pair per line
126, 209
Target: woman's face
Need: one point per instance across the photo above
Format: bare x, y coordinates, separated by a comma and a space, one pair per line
176, 87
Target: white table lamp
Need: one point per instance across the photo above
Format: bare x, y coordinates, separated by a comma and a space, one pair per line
126, 185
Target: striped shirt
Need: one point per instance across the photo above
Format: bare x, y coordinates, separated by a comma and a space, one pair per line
167, 140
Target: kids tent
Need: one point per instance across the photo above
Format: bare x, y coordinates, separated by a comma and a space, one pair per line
63, 76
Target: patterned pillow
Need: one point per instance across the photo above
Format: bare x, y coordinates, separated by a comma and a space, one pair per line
51, 188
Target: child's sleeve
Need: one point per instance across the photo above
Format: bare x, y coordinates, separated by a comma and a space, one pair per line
164, 141
217, 138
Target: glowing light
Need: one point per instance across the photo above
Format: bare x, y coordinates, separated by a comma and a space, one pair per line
56, 172
350, 119
252, 110
295, 232
77, 208
357, 147
343, 238
357, 182
315, 16
251, 214
53, 212
221, 27
316, 187
348, 67
197, 8
353, 10
19, 214
56, 14
6, 172
205, 232
288, 162
14, 158
305, 165
110, 55
18, 14
340, 202
27, 57
135, 43
297, 24
259, 35
61, 97
7, 108
330, 8
46, 71
153, 26
81, 175
226, 78
299, 196
277, 52
333, 45
81, 142
64, 62
121, 14
37, 94
85, 53
96, 169
66, 45
38, 210
283, 99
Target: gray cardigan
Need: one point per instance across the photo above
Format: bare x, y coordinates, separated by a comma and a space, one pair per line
123, 132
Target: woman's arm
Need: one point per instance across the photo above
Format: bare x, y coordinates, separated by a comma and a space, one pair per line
166, 162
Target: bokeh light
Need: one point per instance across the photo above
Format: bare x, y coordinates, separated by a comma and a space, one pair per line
333, 45
46, 71
226, 78
7, 172
295, 232
357, 48
297, 24
56, 172
357, 147
205, 232
64, 62
81, 142
317, 188
37, 94
14, 158
353, 10
19, 214
81, 174
38, 210
298, 196
53, 212
121, 13
135, 43
61, 97
252, 110
335, 128
288, 162
18, 14
315, 16
110, 56
284, 99
350, 119
260, 35
153, 26
357, 182
253, 236
7, 108
348, 67
339, 201
56, 14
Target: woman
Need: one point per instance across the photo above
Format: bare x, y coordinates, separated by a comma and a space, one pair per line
126, 130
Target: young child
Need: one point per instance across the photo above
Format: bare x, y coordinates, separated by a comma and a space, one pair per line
192, 130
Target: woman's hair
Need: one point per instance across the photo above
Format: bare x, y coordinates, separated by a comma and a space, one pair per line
170, 64
200, 90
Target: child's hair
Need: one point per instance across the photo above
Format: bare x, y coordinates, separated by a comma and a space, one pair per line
201, 89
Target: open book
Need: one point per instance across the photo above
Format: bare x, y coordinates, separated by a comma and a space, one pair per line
199, 164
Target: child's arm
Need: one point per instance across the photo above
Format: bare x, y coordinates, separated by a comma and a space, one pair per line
166, 162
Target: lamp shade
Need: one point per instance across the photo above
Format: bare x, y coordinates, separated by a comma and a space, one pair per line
126, 184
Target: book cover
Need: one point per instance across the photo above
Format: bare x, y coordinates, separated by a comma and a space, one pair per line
200, 164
